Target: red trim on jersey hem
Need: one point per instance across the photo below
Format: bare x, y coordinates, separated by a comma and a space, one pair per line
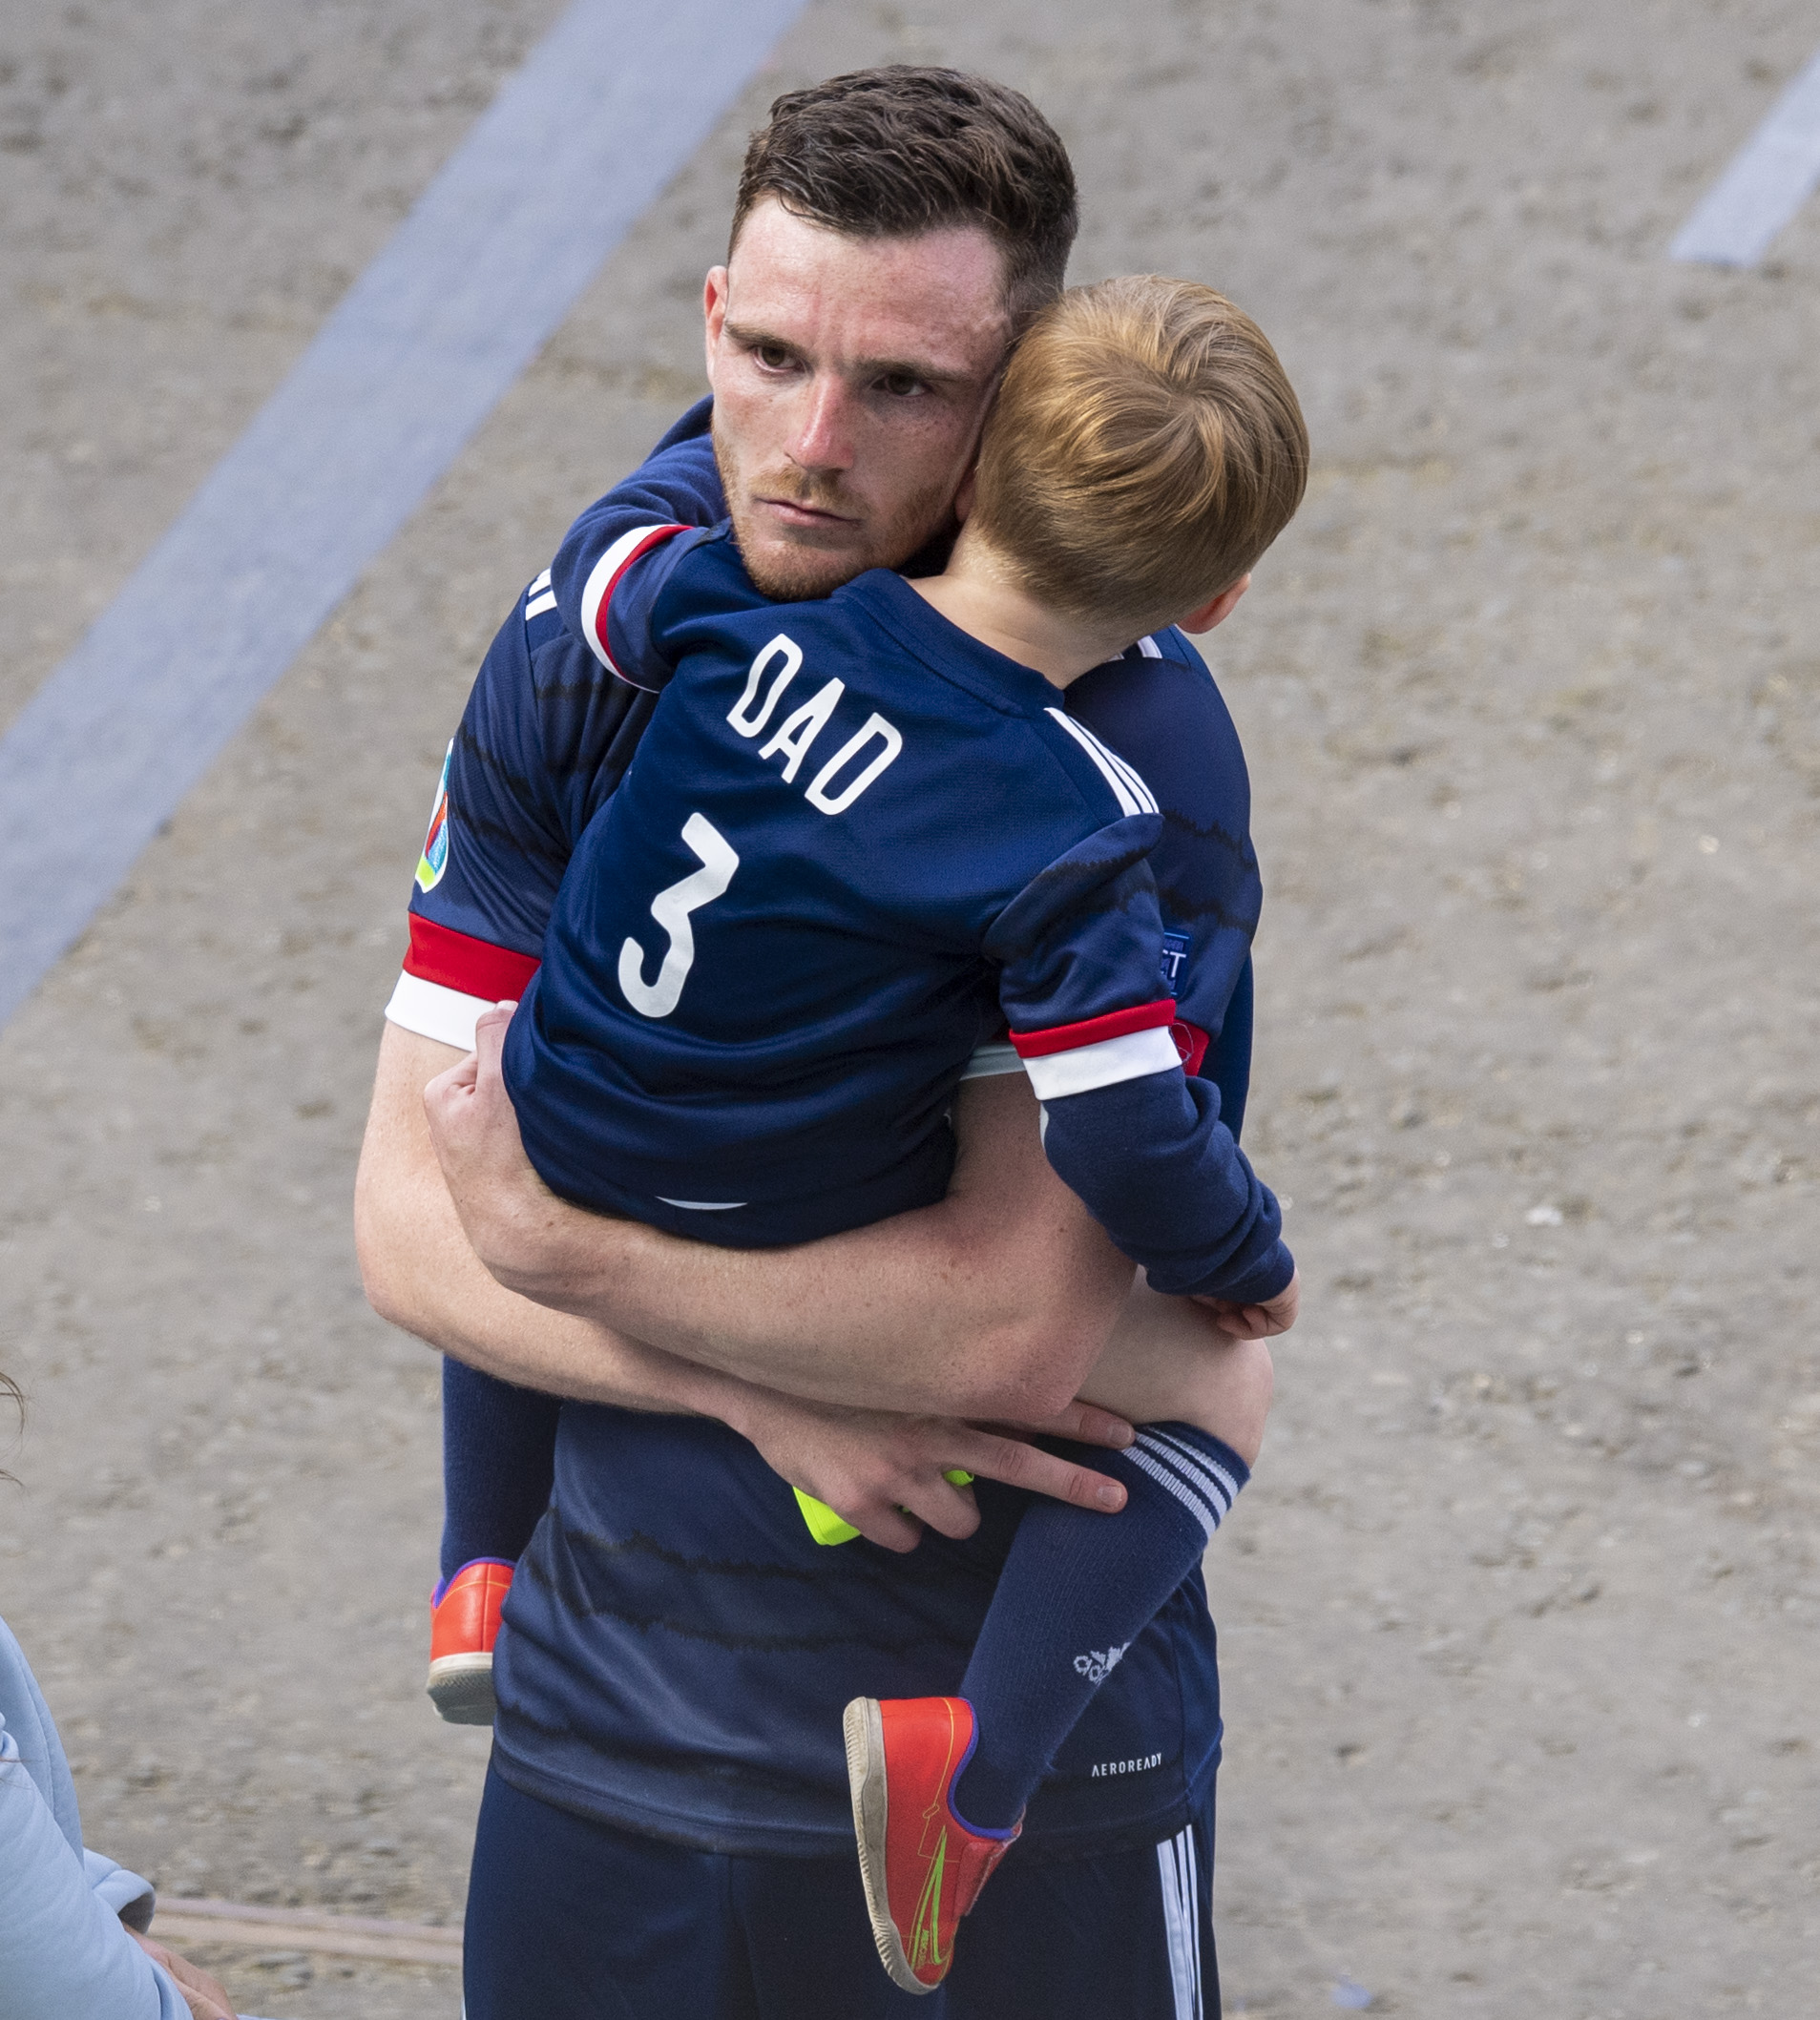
1096, 1031
1191, 1044
458, 960
653, 538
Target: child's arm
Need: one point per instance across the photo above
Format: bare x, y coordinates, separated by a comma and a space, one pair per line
631, 589
617, 557
607, 579
1139, 1141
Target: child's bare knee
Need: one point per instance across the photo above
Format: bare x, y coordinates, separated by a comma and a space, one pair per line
1229, 1397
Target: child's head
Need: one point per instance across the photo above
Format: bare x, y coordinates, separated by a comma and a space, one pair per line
1144, 450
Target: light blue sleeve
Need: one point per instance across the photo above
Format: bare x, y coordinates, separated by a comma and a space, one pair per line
121, 1892
63, 1950
25, 1715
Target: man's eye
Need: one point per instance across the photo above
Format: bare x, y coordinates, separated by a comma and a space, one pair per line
901, 385
773, 357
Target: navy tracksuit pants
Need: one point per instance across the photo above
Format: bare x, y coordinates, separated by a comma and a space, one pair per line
572, 1920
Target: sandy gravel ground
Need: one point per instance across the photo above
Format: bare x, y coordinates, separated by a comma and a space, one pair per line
1520, 1619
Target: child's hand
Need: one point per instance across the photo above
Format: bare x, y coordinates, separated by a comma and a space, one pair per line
1257, 1322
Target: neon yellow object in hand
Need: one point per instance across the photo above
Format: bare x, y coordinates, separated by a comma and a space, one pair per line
827, 1527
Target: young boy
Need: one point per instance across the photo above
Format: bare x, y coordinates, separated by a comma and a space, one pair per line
892, 841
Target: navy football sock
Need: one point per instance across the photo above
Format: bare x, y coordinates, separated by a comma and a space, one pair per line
499, 1453
1077, 1590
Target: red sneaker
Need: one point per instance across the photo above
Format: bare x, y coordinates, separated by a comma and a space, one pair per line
923, 1867
464, 1624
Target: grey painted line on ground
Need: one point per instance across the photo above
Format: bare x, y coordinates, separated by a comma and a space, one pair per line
1769, 179
574, 148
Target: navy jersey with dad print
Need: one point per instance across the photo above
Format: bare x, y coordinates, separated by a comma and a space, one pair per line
677, 1649
868, 839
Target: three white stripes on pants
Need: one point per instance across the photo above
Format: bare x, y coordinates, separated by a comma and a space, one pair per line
1178, 1870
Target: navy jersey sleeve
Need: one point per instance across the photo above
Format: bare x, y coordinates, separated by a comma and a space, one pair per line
1160, 707
494, 856
1139, 1140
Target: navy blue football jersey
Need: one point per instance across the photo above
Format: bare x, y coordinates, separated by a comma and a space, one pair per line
678, 1649
854, 843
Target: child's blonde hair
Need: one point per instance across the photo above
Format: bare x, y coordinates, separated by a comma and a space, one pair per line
1144, 450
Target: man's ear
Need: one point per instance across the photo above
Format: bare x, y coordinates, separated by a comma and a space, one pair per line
714, 295
1218, 610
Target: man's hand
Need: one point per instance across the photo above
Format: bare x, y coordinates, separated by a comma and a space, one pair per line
884, 1472
506, 1209
205, 1999
1257, 1322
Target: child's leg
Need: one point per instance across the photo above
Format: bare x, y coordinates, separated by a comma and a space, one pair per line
500, 1449
1078, 1588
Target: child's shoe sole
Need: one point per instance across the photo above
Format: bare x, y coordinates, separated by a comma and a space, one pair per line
461, 1689
863, 1727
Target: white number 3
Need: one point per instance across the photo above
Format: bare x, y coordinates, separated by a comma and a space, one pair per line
671, 910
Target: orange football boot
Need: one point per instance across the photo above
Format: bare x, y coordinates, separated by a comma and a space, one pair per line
922, 1866
464, 1624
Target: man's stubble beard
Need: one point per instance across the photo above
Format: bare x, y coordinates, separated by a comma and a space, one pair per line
789, 573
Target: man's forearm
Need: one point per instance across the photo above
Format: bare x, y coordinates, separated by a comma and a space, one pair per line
989, 1303
992, 1303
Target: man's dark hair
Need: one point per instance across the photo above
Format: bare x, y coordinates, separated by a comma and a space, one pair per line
889, 153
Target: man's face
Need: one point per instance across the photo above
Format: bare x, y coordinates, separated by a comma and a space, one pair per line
850, 378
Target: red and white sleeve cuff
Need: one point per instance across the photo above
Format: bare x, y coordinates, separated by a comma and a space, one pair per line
1100, 1051
450, 978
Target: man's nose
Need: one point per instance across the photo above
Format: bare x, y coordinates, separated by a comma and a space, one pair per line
825, 438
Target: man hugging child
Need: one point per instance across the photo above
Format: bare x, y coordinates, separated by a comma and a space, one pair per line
860, 837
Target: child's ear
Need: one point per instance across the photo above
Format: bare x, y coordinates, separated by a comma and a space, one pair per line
1218, 610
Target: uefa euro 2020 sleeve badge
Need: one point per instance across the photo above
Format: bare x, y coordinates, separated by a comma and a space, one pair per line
435, 859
